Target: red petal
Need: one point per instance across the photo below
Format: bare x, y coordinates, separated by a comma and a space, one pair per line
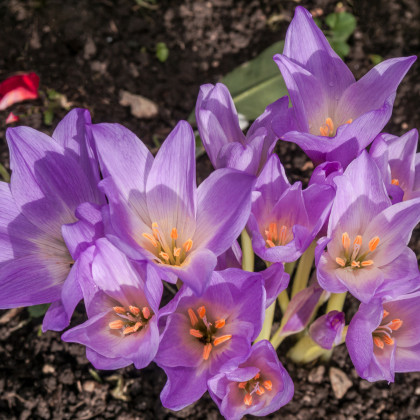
18, 88
11, 118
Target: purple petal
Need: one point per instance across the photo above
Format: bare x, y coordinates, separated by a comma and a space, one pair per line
275, 281
106, 363
326, 330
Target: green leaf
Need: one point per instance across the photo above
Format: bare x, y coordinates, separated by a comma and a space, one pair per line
37, 311
342, 25
376, 59
162, 52
340, 47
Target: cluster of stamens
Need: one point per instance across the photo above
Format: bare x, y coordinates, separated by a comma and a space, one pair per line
256, 385
328, 129
278, 237
130, 320
353, 258
205, 331
382, 334
168, 253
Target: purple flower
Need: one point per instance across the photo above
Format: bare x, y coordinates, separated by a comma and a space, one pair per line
225, 144
123, 314
53, 181
384, 338
326, 331
259, 386
399, 164
284, 219
210, 334
157, 212
335, 116
367, 239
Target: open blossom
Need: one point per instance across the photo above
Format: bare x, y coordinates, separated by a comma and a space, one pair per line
53, 181
327, 330
123, 314
384, 338
284, 219
335, 117
225, 144
210, 334
157, 212
259, 386
367, 251
399, 164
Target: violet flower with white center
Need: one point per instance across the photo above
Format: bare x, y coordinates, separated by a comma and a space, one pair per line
223, 139
384, 338
259, 386
327, 330
367, 251
284, 219
335, 116
156, 212
51, 179
399, 164
122, 325
207, 335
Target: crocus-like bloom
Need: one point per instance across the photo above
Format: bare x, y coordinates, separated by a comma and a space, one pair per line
326, 331
399, 164
223, 139
284, 219
210, 334
335, 116
384, 338
367, 237
52, 180
156, 211
123, 314
18, 88
259, 386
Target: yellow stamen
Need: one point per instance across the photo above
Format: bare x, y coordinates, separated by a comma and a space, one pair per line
196, 333
340, 261
345, 239
174, 233
323, 130
146, 312
155, 230
268, 385
349, 121
151, 239
134, 310
373, 243
193, 317
201, 312
378, 342
116, 325
222, 339
248, 399
257, 376
330, 124
273, 231
220, 323
388, 340
164, 255
242, 385
367, 263
395, 182
355, 264
188, 245
137, 326
270, 243
358, 240
260, 391
128, 330
119, 310
386, 313
177, 252
206, 351
395, 324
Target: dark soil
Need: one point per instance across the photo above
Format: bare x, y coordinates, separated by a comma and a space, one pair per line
89, 50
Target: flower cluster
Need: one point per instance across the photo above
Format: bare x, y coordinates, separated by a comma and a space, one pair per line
91, 215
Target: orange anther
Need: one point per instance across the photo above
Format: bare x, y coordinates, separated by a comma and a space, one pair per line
273, 231
146, 312
330, 125
222, 339
268, 385
388, 340
188, 245
150, 238
116, 325
323, 130
220, 323
128, 330
257, 376
174, 233
367, 263
355, 264
206, 351
345, 239
137, 326
119, 310
358, 240
395, 182
373, 243
164, 255
395, 324
177, 252
242, 385
270, 243
260, 391
349, 121
193, 317
134, 310
196, 333
201, 312
340, 262
248, 399
386, 313
378, 342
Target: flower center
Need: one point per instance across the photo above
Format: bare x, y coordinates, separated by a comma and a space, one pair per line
328, 129
382, 334
352, 257
205, 331
168, 252
256, 385
395, 181
277, 237
130, 320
